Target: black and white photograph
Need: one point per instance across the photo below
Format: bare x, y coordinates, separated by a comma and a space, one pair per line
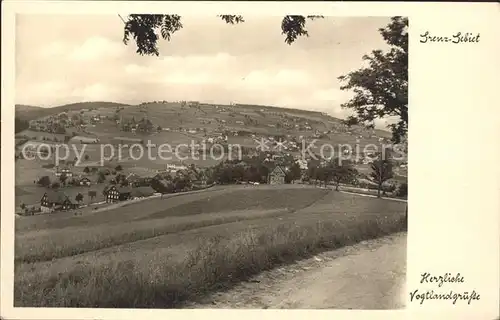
211, 161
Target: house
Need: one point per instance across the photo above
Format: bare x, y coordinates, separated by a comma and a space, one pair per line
84, 181
65, 170
56, 200
136, 180
277, 176
115, 194
131, 177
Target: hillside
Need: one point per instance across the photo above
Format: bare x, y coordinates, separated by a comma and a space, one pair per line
25, 112
170, 110
183, 122
23, 108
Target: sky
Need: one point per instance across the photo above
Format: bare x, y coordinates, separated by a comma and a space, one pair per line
74, 58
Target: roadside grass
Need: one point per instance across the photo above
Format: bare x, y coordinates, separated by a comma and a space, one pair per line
153, 275
214, 263
58, 243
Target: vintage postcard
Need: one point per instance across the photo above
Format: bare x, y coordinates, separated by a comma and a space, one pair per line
182, 159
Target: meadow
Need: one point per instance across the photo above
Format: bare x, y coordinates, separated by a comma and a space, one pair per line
163, 252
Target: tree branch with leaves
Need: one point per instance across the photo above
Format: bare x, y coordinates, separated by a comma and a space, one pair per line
147, 29
381, 88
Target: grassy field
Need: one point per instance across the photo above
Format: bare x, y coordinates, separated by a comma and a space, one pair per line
178, 249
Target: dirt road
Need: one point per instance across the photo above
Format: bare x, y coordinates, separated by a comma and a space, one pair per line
369, 275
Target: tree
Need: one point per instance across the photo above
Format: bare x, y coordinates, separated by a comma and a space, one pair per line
294, 173
44, 181
159, 187
79, 197
323, 174
402, 190
22, 206
92, 194
118, 168
146, 29
73, 182
342, 172
312, 173
381, 88
381, 172
55, 185
86, 157
86, 170
63, 177
101, 178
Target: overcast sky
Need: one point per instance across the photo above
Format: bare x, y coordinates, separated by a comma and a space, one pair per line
72, 58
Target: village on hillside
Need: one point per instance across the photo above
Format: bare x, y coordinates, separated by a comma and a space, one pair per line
42, 185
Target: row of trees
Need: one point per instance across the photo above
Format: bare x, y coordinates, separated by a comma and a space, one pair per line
229, 173
336, 171
63, 180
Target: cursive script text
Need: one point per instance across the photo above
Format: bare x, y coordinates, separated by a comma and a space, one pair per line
440, 280
458, 37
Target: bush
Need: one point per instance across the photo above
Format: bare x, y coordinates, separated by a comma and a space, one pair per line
402, 191
44, 181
